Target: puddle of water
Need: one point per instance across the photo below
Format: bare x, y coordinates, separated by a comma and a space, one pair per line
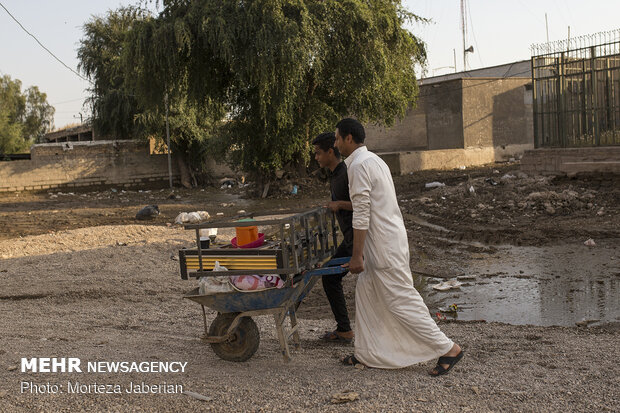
558, 285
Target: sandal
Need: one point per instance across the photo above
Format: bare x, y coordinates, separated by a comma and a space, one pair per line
440, 370
351, 361
335, 337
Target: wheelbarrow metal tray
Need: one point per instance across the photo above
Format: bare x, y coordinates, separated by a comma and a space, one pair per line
240, 301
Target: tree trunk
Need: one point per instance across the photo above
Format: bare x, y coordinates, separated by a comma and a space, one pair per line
184, 172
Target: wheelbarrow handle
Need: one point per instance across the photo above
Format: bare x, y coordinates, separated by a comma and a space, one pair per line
337, 261
331, 267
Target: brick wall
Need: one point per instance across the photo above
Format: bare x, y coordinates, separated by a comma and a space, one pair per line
76, 164
571, 161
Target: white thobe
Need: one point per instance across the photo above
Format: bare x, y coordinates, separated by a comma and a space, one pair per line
393, 326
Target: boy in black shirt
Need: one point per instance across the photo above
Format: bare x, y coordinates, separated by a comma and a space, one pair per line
329, 157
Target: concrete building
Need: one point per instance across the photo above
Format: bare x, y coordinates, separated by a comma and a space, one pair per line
80, 133
462, 119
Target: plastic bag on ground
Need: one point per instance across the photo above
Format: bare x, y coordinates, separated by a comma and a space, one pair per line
447, 285
191, 217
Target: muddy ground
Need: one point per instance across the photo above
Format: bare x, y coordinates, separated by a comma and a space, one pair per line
80, 277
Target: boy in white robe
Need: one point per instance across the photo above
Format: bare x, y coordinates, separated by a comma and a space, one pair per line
394, 327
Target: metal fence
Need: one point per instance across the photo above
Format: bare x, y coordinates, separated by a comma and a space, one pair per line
577, 91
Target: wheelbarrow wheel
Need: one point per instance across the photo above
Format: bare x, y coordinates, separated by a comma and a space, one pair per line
243, 342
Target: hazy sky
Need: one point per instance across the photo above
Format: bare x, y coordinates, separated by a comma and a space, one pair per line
501, 31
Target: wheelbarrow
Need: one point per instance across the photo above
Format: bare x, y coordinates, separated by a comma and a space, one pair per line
305, 241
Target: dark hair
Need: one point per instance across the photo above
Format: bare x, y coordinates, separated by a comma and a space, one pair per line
353, 127
325, 141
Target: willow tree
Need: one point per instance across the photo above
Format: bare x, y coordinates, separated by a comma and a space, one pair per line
117, 110
278, 72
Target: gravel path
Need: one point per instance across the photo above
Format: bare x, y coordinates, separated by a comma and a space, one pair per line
83, 293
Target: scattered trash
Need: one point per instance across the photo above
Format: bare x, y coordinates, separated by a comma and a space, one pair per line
466, 277
148, 212
421, 399
440, 317
447, 285
462, 167
294, 191
344, 397
191, 217
174, 257
508, 176
512, 160
471, 189
585, 323
197, 396
589, 243
600, 212
220, 214
495, 171
12, 368
452, 309
490, 181
227, 183
121, 244
112, 190
434, 185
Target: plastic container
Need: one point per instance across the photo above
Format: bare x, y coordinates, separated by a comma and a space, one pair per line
255, 244
246, 235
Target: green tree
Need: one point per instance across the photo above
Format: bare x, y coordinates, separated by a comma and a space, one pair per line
280, 71
24, 116
117, 110
114, 107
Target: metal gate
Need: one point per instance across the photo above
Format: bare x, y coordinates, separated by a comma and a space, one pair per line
577, 91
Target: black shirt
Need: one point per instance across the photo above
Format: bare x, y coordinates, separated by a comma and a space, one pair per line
339, 185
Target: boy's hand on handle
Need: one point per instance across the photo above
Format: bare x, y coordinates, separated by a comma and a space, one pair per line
333, 205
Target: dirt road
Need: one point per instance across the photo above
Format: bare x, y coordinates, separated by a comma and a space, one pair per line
88, 281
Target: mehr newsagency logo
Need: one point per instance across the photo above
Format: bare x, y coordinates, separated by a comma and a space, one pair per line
40, 365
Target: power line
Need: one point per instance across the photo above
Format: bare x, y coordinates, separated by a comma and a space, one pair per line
67, 101
41, 44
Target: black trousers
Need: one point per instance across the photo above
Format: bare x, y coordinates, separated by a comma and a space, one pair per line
332, 285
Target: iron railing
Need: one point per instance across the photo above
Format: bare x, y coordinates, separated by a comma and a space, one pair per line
577, 91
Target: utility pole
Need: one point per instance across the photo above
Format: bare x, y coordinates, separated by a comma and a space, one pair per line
454, 51
168, 141
464, 31
547, 27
